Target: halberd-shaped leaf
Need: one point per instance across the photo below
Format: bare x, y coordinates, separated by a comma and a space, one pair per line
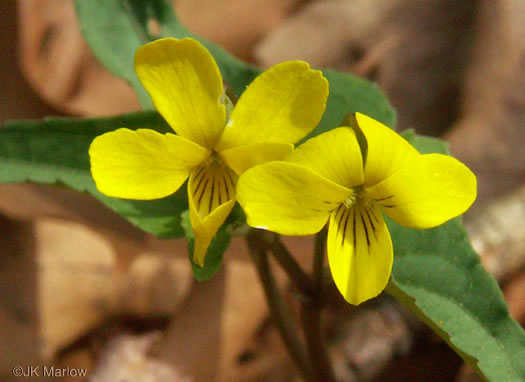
55, 151
439, 277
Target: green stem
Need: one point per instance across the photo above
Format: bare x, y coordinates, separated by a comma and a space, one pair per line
278, 309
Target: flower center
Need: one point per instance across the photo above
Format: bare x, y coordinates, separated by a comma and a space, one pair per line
212, 184
213, 161
350, 200
358, 195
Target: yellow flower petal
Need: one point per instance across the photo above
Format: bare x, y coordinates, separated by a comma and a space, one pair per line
387, 150
210, 186
281, 105
428, 192
142, 164
335, 155
211, 195
205, 229
241, 158
185, 86
288, 198
360, 252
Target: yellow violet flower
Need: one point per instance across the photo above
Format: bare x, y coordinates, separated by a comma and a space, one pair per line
280, 107
330, 178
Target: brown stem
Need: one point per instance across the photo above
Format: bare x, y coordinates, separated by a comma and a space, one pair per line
311, 317
278, 309
316, 361
273, 243
318, 260
313, 333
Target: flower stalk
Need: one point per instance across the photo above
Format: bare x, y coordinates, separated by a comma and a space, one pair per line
318, 260
302, 282
313, 363
311, 310
278, 309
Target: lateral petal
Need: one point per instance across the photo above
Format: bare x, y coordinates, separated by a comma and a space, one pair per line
281, 105
427, 192
142, 164
360, 252
335, 155
211, 196
185, 86
288, 198
241, 158
387, 151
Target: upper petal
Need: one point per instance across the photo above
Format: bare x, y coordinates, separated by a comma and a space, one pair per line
288, 198
185, 86
241, 158
427, 192
335, 155
282, 104
387, 151
360, 252
142, 164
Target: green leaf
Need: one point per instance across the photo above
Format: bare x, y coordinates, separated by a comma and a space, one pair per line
426, 145
214, 256
439, 277
113, 35
350, 94
55, 151
115, 29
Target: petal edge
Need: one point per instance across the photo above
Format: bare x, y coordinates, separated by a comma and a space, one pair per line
241, 158
323, 154
387, 151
